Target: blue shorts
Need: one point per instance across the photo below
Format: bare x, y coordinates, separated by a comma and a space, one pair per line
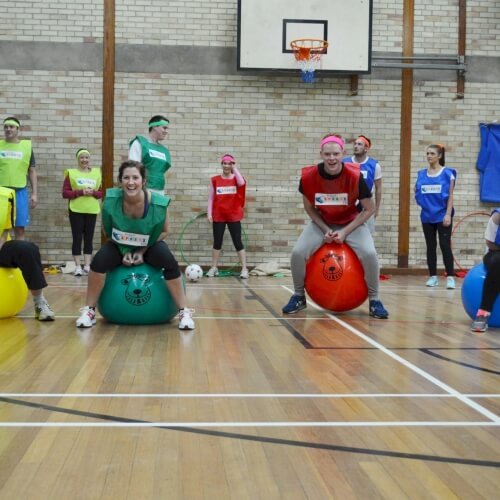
22, 208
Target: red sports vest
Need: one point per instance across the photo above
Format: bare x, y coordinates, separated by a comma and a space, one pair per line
229, 199
335, 199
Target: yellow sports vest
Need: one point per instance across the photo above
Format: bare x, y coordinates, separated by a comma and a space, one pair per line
80, 180
14, 163
7, 209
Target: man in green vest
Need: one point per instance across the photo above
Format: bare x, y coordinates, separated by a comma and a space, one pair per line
153, 155
17, 165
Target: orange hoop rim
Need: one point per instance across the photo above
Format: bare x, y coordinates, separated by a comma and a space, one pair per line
308, 48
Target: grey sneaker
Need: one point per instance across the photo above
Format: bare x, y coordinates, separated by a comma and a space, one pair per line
480, 324
212, 272
43, 312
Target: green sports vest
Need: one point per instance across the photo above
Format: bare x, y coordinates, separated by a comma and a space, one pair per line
128, 233
14, 163
80, 180
156, 159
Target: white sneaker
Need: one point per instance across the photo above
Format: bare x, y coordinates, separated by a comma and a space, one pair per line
432, 281
244, 274
186, 319
78, 271
86, 270
450, 283
212, 272
43, 312
87, 318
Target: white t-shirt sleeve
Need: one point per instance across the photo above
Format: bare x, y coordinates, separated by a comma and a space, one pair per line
378, 172
135, 151
491, 231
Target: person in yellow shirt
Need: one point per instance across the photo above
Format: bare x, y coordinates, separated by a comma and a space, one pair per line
82, 187
17, 165
22, 254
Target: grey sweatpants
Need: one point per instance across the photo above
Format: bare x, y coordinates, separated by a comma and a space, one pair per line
360, 240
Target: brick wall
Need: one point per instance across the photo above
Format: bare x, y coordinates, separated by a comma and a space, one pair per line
272, 124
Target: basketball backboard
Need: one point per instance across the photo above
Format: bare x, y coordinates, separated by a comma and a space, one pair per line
266, 28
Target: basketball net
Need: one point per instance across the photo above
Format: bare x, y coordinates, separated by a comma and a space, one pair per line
308, 52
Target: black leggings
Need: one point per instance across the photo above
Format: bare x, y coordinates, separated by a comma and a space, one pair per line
26, 256
234, 231
444, 233
158, 255
491, 287
82, 226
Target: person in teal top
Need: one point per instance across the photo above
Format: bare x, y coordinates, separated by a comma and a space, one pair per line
154, 156
135, 222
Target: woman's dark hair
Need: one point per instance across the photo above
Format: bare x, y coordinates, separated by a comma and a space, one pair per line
132, 164
157, 118
440, 149
81, 149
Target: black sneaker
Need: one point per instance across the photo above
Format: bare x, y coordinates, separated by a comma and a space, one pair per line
295, 304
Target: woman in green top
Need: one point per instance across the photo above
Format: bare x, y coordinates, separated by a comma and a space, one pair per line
135, 222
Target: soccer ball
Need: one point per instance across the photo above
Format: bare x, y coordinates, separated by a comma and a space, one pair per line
193, 272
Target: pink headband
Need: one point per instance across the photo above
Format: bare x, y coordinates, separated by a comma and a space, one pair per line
227, 158
333, 138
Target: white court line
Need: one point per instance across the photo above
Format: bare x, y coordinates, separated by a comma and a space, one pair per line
249, 424
233, 395
445, 387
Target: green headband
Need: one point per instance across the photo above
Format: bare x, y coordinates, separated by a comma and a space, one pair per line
159, 123
11, 122
82, 152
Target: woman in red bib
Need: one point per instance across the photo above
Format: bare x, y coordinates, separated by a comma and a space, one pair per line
225, 207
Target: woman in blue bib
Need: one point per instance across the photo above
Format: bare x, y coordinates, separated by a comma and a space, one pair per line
434, 195
135, 221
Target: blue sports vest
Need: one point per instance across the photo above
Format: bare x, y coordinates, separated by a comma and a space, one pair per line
367, 169
432, 193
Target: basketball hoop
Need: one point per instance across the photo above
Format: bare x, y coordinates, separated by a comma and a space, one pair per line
308, 52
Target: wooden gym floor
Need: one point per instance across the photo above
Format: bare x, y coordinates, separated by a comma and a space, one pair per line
252, 404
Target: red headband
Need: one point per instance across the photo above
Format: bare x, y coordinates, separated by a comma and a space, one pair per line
365, 140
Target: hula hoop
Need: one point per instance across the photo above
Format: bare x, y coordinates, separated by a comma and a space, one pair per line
455, 227
180, 242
